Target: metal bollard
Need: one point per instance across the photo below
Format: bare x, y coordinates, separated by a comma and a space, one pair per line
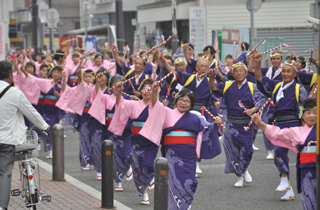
161, 184
58, 153
107, 175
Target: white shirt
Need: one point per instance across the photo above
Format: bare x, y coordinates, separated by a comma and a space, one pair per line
14, 105
199, 80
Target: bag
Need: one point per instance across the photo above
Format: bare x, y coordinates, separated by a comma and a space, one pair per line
4, 91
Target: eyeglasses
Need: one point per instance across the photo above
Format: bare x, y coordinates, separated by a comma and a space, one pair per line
184, 101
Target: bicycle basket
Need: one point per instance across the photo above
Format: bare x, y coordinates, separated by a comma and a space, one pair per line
32, 138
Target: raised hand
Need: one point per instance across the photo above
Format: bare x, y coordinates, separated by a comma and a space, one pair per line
258, 58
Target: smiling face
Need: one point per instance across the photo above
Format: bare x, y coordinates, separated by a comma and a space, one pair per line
276, 61
288, 74
139, 65
181, 66
310, 117
146, 95
184, 104
202, 66
239, 74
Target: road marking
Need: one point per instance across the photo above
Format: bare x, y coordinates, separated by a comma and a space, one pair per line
82, 186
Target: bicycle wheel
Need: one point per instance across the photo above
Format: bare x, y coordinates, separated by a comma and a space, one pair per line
26, 191
34, 198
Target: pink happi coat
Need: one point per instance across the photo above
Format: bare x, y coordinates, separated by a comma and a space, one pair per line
290, 137
32, 86
100, 104
123, 110
161, 117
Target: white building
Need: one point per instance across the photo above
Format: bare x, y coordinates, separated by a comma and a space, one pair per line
276, 18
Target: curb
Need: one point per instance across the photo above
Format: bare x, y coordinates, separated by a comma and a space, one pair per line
82, 186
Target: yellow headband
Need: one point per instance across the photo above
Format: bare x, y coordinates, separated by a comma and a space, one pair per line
290, 64
276, 54
302, 109
57, 53
203, 58
206, 50
178, 60
143, 58
239, 64
75, 53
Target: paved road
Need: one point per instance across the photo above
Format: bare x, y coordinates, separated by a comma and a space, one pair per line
215, 189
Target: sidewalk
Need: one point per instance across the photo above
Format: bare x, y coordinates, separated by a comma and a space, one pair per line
71, 194
63, 194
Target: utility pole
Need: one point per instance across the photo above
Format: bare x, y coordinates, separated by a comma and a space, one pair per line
318, 139
86, 19
51, 32
252, 24
119, 24
174, 40
35, 25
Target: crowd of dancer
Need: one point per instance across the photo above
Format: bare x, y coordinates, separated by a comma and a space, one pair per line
181, 105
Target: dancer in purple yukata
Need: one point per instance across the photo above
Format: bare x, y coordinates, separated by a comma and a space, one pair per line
287, 96
138, 72
238, 141
81, 122
144, 152
302, 140
180, 133
102, 106
83, 95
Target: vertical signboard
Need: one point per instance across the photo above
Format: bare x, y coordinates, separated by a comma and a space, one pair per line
2, 42
198, 27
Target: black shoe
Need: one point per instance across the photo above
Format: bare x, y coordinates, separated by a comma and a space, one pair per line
2, 208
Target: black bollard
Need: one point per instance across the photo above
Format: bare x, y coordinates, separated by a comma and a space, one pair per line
58, 153
107, 175
161, 184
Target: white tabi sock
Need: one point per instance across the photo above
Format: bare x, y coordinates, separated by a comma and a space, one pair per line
145, 196
247, 177
198, 170
239, 183
119, 184
284, 184
270, 155
288, 196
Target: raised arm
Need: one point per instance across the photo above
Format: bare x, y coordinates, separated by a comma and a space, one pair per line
186, 54
155, 93
98, 82
116, 56
79, 75
64, 80
251, 61
257, 71
119, 90
212, 85
166, 64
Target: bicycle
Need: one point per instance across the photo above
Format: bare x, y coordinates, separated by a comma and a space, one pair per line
30, 192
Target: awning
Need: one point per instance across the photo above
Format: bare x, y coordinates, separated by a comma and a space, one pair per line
94, 30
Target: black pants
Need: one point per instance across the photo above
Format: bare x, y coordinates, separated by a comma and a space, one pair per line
7, 157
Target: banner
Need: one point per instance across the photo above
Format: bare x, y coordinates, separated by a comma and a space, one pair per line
91, 43
232, 35
2, 42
